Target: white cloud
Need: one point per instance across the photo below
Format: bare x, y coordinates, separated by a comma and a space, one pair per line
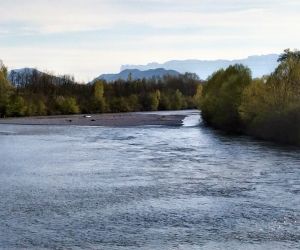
74, 15
40, 33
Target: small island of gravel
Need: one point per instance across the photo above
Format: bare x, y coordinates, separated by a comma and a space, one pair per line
111, 120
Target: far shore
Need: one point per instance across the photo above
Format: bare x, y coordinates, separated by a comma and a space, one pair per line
111, 120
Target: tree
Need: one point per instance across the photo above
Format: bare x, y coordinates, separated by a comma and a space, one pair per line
44, 93
99, 100
35, 107
98, 90
133, 102
129, 79
5, 90
164, 103
16, 106
254, 102
222, 97
177, 100
271, 110
151, 101
197, 97
289, 55
67, 105
119, 104
287, 74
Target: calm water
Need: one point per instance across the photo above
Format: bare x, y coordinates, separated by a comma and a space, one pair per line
183, 187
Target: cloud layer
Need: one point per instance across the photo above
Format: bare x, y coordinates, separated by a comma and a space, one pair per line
86, 38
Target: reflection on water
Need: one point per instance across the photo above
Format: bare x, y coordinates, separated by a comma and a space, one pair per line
146, 188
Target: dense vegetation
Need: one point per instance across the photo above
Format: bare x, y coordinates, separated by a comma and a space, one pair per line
45, 94
268, 108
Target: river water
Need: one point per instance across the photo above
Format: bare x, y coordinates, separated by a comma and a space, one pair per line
150, 187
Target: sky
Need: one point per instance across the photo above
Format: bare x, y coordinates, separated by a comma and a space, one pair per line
86, 38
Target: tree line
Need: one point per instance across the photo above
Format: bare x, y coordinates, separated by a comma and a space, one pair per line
44, 94
231, 100
267, 107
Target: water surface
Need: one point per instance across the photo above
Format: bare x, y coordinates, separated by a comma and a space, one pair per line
150, 187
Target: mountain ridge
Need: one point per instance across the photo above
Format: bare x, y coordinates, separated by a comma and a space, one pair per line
135, 74
259, 64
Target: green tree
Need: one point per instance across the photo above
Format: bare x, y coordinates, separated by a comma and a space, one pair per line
254, 101
289, 55
271, 109
98, 90
35, 107
119, 104
222, 97
67, 105
177, 101
5, 90
198, 95
16, 106
41, 108
151, 101
99, 100
164, 103
133, 102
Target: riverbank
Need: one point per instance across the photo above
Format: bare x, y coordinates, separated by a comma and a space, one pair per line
111, 120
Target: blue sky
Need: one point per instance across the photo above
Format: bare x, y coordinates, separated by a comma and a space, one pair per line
88, 37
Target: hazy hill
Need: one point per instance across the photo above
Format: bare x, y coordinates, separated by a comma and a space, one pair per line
260, 65
137, 74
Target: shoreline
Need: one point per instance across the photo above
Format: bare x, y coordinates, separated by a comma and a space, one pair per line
131, 119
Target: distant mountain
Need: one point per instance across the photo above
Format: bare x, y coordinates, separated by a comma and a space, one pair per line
259, 65
135, 74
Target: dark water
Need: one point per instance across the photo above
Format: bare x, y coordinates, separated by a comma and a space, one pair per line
146, 188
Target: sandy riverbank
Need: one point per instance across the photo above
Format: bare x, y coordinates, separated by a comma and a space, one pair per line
112, 120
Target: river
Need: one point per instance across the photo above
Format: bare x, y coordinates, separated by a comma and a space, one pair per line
147, 187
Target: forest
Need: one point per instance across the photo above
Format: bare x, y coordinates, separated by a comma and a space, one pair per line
231, 100
267, 108
39, 94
